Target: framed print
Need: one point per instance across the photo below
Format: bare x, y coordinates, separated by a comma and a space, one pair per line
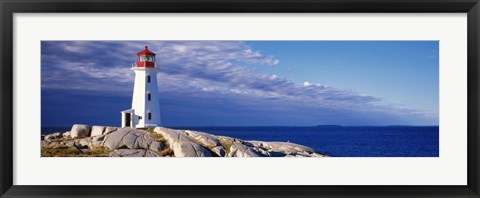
241, 99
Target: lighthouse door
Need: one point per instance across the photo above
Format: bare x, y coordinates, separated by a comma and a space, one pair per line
128, 119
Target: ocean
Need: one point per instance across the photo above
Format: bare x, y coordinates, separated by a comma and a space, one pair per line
336, 141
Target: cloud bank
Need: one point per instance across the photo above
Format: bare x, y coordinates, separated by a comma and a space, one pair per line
220, 72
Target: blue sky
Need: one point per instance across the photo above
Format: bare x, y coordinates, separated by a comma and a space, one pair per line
246, 83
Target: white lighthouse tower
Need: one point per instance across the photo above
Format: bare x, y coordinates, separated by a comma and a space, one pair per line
145, 111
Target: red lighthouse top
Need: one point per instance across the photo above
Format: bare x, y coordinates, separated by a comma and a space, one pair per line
145, 51
145, 58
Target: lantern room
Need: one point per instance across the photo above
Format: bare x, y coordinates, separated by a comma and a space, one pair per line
145, 58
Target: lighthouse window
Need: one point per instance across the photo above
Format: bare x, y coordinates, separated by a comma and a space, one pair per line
148, 79
149, 96
149, 115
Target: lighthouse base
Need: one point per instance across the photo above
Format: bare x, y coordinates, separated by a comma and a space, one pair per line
129, 119
127, 116
150, 126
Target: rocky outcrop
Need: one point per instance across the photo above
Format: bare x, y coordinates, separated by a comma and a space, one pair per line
130, 138
205, 139
162, 142
284, 149
53, 137
182, 145
242, 150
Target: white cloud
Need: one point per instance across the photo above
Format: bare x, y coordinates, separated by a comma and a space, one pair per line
192, 68
207, 89
180, 48
307, 84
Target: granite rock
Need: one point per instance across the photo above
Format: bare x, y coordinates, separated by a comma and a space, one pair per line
133, 153
80, 131
66, 134
97, 130
241, 150
181, 144
130, 138
53, 137
109, 129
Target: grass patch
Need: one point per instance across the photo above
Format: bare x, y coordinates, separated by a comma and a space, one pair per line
157, 137
167, 151
96, 152
60, 152
226, 145
67, 138
65, 151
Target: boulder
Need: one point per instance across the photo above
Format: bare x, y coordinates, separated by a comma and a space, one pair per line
78, 145
113, 141
80, 131
84, 143
97, 130
130, 138
137, 139
181, 144
53, 137
144, 141
66, 134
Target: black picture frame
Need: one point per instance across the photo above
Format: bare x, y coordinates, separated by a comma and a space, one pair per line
9, 7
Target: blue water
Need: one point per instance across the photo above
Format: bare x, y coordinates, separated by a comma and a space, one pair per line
337, 141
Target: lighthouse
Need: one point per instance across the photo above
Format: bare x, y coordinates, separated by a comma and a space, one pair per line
145, 111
